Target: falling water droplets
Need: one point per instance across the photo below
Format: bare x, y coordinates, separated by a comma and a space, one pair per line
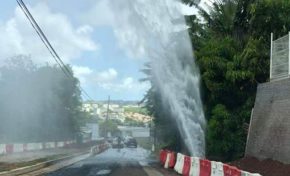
156, 30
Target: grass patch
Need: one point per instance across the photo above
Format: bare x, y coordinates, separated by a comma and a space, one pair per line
11, 166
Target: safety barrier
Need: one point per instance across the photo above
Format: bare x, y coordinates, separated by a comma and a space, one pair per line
231, 171
217, 168
17, 148
99, 148
205, 167
170, 159
179, 163
194, 166
162, 156
186, 165
2, 149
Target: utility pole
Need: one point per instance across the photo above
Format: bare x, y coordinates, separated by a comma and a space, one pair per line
108, 107
107, 118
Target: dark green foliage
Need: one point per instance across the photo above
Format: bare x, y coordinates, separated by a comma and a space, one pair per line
109, 126
165, 129
140, 110
232, 46
131, 122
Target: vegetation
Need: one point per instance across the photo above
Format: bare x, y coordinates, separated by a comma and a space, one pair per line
231, 44
109, 126
140, 110
132, 122
164, 128
38, 103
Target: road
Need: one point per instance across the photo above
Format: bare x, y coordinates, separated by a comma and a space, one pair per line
113, 162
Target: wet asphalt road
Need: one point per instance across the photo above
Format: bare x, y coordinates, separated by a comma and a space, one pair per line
126, 161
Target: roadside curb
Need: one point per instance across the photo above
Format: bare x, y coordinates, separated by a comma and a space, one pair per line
27, 169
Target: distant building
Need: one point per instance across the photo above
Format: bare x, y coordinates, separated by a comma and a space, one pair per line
91, 107
111, 106
90, 132
135, 131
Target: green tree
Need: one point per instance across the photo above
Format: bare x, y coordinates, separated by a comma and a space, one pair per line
165, 128
109, 126
232, 44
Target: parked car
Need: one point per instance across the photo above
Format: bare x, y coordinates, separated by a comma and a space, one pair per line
131, 142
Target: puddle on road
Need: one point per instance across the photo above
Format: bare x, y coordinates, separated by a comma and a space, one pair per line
103, 172
143, 163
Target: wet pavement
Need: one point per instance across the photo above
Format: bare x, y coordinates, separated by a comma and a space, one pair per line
126, 161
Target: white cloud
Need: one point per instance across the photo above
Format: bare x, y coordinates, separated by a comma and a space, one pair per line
149, 15
80, 70
18, 37
86, 29
106, 76
88, 76
123, 15
82, 73
99, 14
127, 84
109, 80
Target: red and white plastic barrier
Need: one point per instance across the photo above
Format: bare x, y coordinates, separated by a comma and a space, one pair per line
17, 148
179, 163
186, 165
170, 159
231, 171
193, 166
204, 167
217, 168
244, 173
2, 149
162, 156
99, 148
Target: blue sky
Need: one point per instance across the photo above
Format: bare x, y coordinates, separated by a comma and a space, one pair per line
85, 35
101, 65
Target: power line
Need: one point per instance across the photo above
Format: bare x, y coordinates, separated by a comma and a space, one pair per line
47, 44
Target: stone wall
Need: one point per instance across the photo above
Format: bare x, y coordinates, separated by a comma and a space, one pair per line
269, 132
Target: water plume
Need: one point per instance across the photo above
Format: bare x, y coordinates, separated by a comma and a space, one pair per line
157, 30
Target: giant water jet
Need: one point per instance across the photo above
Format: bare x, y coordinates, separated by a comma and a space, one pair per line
157, 30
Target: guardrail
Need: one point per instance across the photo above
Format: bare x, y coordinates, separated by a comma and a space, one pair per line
23, 147
99, 148
194, 166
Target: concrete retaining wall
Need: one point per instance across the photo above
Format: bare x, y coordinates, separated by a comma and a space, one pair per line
269, 132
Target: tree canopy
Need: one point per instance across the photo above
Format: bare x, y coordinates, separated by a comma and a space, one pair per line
231, 42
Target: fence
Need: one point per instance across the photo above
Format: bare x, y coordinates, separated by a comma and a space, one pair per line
279, 61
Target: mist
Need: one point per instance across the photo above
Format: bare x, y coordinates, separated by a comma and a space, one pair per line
37, 103
156, 31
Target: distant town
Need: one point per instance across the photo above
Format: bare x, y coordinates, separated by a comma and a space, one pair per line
120, 111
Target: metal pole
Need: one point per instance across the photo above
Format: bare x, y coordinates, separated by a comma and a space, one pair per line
271, 57
108, 108
249, 130
289, 54
107, 117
